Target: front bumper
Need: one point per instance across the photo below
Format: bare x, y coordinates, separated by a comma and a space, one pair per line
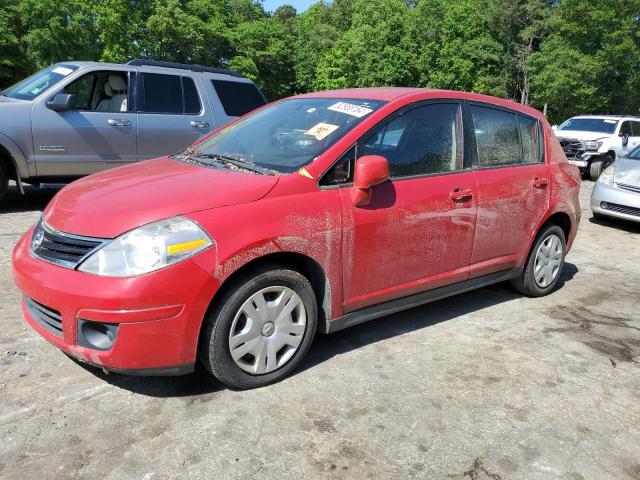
614, 201
158, 315
583, 160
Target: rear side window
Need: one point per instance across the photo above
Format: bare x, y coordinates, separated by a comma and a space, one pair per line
635, 127
170, 94
238, 98
530, 136
191, 99
497, 137
424, 140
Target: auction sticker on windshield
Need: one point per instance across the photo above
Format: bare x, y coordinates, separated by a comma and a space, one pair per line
64, 71
321, 130
350, 109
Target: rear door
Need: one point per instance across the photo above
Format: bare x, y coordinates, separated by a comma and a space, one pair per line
512, 181
418, 232
171, 113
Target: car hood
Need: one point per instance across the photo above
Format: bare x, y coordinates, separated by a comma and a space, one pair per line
110, 203
578, 135
627, 171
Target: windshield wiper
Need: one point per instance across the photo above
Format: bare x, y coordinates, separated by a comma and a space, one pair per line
231, 162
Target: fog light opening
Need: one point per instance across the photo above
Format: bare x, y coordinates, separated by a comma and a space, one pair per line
97, 335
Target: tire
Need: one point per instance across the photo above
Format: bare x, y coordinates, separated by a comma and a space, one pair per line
595, 169
4, 183
228, 321
527, 284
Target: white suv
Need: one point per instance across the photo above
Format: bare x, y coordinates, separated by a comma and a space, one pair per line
592, 142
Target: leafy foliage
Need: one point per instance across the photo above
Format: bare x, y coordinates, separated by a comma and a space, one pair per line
573, 55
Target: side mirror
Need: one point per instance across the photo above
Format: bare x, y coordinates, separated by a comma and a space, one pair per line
371, 170
554, 127
62, 102
625, 139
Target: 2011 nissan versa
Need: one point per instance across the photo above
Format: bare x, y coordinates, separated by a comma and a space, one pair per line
314, 213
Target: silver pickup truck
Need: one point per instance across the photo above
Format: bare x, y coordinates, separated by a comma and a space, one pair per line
76, 118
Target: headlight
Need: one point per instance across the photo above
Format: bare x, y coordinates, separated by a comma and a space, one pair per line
606, 177
592, 145
148, 248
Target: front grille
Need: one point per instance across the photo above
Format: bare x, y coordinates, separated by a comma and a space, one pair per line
572, 148
631, 188
614, 207
46, 317
62, 248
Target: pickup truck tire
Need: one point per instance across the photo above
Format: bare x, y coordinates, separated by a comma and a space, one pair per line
595, 169
251, 318
547, 254
4, 182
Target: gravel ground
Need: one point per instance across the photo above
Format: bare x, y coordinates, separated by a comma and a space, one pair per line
486, 385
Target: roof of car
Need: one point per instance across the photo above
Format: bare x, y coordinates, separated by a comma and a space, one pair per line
395, 93
607, 117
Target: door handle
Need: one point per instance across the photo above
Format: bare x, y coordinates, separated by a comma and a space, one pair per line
196, 124
461, 195
540, 182
118, 122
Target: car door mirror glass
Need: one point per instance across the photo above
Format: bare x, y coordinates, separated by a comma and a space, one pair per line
625, 139
62, 102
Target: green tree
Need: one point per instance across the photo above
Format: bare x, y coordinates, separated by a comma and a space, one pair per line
264, 52
373, 52
591, 60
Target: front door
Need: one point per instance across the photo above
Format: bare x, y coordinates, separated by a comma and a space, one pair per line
512, 181
417, 233
99, 134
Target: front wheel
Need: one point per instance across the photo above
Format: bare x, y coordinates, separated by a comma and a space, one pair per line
545, 263
260, 329
595, 169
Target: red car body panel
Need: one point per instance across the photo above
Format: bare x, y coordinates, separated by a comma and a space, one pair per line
414, 236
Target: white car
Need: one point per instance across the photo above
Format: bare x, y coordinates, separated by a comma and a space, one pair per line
593, 142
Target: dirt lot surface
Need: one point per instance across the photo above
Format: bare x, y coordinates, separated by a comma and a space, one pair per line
486, 385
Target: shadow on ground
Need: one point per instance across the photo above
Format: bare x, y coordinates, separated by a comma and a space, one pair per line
620, 224
33, 199
327, 346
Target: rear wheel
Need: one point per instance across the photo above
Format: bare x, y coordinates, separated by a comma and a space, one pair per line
261, 329
4, 182
545, 263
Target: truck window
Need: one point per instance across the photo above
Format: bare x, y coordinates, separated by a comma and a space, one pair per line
238, 98
172, 94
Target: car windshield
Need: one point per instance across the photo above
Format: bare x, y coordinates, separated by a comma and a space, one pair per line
599, 125
285, 136
635, 154
38, 83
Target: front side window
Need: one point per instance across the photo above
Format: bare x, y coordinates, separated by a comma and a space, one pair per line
625, 129
287, 135
101, 91
35, 85
238, 98
497, 137
421, 141
83, 90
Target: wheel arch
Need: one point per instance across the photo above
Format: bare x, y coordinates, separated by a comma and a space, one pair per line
9, 160
298, 262
561, 219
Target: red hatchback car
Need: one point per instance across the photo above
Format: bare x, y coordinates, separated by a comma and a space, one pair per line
314, 213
